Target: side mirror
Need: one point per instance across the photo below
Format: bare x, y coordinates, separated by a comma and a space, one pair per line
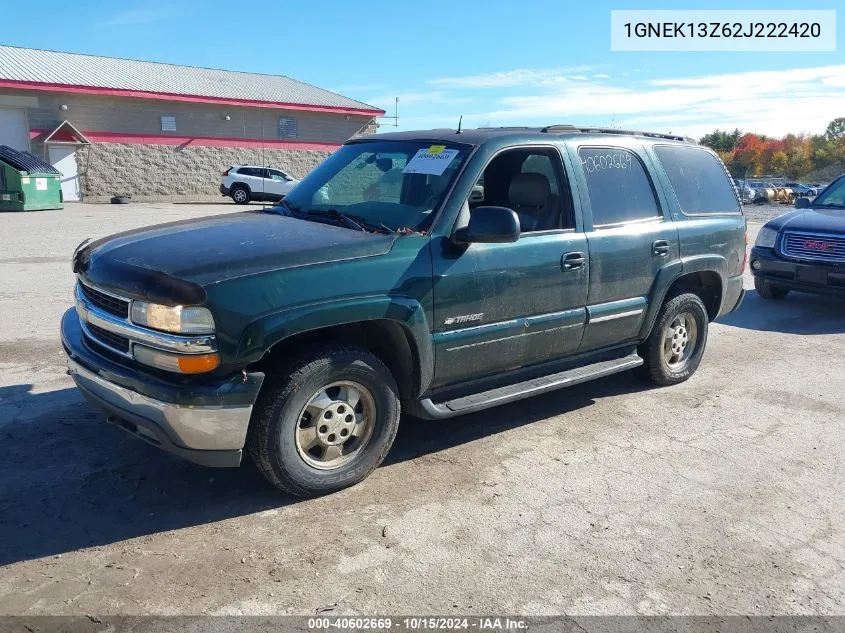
802, 203
490, 225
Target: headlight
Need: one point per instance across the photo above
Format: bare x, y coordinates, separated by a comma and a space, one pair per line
178, 319
767, 237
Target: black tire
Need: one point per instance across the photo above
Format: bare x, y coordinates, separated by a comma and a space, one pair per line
273, 442
658, 368
768, 290
240, 194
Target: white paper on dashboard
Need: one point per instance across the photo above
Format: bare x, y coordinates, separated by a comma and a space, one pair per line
427, 162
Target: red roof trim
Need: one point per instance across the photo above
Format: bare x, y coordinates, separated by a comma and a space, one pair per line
197, 141
142, 94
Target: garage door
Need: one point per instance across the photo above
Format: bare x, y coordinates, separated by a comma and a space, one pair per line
13, 130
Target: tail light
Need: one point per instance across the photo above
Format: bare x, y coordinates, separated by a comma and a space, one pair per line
226, 173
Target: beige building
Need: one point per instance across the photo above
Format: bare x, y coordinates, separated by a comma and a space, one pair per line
160, 131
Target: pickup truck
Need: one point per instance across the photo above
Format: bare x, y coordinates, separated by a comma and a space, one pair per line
435, 273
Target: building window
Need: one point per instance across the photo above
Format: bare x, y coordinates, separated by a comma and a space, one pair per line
168, 124
287, 128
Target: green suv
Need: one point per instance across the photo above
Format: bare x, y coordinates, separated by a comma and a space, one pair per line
437, 273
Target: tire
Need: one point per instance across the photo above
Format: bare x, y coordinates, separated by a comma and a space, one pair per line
768, 290
240, 194
121, 200
290, 412
681, 324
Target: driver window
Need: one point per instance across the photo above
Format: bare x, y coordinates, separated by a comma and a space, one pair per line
531, 182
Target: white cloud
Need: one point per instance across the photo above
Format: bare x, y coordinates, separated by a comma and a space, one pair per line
510, 78
769, 102
601, 76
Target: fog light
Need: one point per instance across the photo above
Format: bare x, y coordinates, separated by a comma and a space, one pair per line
179, 363
755, 264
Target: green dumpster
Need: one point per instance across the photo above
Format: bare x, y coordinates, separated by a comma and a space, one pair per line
27, 183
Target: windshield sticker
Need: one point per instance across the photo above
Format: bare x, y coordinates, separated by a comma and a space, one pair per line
433, 163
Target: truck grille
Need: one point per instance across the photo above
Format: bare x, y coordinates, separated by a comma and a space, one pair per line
112, 305
109, 339
825, 248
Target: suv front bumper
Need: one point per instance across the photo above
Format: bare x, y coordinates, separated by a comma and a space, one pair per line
203, 422
818, 278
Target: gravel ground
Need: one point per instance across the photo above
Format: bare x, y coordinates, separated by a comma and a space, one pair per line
722, 495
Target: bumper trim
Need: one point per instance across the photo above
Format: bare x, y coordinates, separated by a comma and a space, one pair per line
185, 430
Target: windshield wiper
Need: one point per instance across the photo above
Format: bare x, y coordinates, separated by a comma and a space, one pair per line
334, 214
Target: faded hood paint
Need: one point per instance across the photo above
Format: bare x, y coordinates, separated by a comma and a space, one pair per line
172, 263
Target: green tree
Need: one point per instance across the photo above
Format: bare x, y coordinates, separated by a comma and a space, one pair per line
721, 141
835, 129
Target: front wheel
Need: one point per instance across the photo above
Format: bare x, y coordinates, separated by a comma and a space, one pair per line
325, 421
676, 344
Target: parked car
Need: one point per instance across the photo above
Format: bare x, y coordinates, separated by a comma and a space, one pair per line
802, 190
804, 249
244, 183
357, 299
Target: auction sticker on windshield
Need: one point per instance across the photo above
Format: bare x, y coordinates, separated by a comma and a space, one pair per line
432, 160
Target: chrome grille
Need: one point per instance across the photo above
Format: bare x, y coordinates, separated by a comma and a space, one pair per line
814, 246
109, 303
108, 339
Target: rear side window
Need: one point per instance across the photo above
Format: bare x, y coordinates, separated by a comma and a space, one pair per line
698, 179
618, 186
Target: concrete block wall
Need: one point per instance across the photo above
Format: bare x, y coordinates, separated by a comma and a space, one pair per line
174, 173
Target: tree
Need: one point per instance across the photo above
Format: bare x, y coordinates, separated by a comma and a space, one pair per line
721, 141
835, 129
778, 162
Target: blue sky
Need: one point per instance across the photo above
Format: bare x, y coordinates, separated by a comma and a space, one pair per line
496, 63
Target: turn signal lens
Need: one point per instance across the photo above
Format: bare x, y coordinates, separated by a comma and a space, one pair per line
178, 363
197, 364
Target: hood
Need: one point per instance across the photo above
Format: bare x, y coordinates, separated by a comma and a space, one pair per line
812, 221
171, 263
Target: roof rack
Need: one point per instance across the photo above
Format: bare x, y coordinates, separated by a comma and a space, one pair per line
552, 129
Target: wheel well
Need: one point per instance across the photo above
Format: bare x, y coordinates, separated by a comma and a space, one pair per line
388, 340
239, 185
706, 284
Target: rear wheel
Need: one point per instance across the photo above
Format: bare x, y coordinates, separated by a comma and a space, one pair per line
676, 344
240, 194
768, 290
325, 422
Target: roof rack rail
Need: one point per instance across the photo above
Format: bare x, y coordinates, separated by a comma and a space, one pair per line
552, 129
508, 127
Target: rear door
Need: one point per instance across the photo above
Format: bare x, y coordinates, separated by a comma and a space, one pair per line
631, 236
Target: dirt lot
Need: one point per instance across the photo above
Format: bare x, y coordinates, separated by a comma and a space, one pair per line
722, 495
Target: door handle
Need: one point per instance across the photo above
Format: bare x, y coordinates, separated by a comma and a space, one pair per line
660, 248
573, 261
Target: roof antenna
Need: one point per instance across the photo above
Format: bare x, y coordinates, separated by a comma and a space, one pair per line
460, 120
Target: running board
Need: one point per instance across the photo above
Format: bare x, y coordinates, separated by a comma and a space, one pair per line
518, 391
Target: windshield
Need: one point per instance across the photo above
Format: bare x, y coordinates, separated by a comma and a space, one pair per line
833, 196
395, 184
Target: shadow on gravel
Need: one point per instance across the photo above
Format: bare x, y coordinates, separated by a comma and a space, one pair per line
70, 480
798, 313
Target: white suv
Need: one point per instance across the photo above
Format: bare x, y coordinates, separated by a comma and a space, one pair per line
249, 182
